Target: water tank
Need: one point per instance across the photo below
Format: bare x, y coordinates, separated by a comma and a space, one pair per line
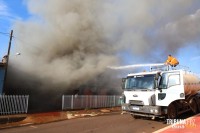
191, 83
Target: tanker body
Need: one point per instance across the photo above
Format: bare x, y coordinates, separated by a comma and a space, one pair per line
164, 94
191, 84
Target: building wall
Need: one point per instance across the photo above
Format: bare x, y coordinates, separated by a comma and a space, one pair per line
2, 73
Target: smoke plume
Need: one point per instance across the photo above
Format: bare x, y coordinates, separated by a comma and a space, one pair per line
68, 43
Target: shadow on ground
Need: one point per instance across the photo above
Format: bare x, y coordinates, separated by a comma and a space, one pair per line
12, 118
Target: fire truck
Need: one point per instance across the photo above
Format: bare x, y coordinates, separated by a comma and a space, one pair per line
163, 93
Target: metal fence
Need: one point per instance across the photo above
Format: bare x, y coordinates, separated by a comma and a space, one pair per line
89, 101
13, 104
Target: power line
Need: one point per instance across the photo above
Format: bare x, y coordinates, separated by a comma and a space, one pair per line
8, 34
5, 34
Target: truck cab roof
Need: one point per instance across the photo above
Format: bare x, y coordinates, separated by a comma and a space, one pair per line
142, 73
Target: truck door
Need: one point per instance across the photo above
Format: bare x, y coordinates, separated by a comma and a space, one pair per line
170, 88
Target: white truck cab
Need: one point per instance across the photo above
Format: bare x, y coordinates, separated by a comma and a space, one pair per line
159, 94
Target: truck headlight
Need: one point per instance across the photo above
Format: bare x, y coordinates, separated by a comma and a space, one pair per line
151, 110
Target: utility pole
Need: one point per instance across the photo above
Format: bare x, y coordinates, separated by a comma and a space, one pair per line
8, 54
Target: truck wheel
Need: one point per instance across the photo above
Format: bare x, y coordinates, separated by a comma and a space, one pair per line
193, 106
171, 111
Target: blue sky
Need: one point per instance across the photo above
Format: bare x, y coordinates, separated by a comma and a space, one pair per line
11, 10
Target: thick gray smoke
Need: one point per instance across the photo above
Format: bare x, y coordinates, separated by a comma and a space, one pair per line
66, 45
69, 42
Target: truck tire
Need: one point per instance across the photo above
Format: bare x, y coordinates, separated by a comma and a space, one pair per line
193, 106
171, 111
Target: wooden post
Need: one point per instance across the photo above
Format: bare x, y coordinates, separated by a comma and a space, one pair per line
8, 53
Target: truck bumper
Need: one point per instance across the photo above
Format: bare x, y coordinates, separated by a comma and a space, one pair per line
145, 110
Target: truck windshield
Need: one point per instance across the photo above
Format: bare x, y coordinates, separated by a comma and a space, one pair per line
140, 82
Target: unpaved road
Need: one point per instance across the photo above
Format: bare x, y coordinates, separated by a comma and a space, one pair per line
113, 123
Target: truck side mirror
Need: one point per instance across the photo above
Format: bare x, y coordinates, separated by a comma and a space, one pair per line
123, 83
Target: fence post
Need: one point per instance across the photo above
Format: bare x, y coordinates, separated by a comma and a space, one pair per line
27, 98
62, 102
86, 97
96, 101
114, 100
72, 102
